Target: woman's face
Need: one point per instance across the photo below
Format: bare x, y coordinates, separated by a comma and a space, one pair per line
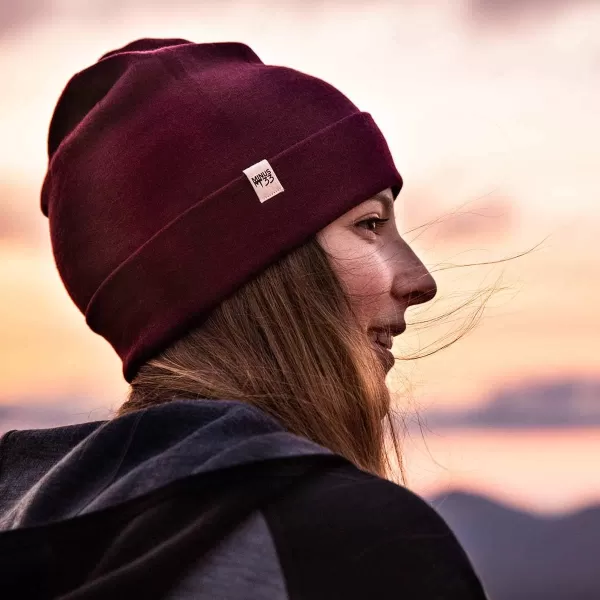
378, 269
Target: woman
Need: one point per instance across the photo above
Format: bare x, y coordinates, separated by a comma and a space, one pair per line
228, 226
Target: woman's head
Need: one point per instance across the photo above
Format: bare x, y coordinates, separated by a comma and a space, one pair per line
213, 218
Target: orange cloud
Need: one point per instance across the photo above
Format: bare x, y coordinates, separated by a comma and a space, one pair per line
20, 223
486, 219
505, 11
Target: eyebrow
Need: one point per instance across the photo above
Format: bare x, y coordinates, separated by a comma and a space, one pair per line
385, 200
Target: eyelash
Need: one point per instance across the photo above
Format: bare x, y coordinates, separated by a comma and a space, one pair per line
378, 224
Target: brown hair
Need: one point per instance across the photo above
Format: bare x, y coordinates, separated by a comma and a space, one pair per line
288, 343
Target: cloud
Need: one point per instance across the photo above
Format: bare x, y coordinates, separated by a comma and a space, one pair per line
15, 14
21, 221
504, 11
9, 225
487, 219
566, 403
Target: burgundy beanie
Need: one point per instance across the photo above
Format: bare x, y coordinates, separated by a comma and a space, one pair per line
179, 171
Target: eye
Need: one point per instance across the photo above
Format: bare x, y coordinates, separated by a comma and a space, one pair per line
373, 224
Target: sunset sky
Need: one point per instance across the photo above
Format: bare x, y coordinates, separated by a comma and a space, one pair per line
490, 108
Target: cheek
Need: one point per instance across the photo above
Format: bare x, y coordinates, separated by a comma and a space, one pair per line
368, 280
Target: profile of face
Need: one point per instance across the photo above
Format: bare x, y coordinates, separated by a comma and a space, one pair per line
379, 271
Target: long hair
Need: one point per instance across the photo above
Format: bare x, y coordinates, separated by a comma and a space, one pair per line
289, 343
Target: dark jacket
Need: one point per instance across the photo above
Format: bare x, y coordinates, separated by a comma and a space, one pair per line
211, 500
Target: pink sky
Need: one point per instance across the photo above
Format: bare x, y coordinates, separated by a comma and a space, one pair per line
489, 113
547, 471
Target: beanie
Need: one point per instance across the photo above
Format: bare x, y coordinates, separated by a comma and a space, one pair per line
179, 171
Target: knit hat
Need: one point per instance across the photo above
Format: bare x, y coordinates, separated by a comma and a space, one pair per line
179, 171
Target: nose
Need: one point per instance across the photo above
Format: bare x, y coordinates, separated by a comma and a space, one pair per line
413, 283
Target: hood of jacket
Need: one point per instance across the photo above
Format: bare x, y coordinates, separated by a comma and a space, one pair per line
48, 475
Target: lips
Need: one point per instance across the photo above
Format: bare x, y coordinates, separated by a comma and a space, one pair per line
382, 339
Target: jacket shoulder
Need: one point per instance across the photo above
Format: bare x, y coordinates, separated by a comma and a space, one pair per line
348, 534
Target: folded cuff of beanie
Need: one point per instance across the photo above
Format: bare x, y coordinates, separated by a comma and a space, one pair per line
172, 282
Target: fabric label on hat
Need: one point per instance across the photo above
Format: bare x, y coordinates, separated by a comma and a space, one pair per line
263, 179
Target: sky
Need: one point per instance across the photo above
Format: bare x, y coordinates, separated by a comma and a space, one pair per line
489, 108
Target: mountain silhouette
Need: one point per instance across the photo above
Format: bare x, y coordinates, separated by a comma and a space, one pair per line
523, 556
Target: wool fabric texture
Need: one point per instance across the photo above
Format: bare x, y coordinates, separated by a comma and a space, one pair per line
153, 221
